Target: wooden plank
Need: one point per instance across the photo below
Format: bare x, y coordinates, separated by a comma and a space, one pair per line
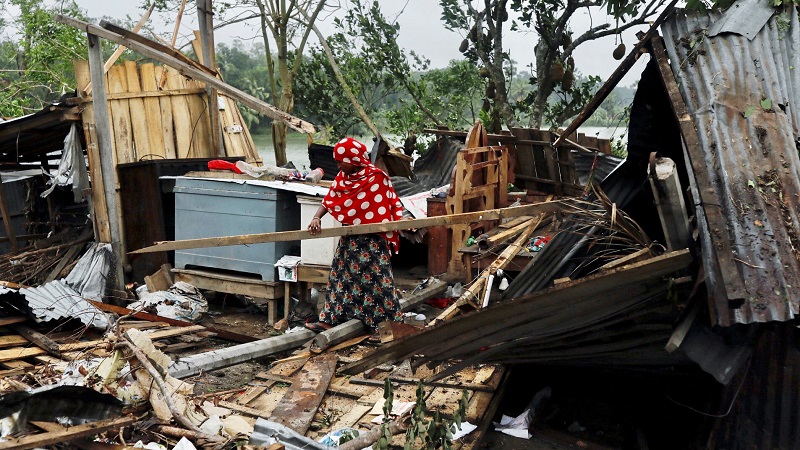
146, 50
12, 320
76, 432
397, 380
201, 128
167, 125
83, 444
180, 115
97, 205
120, 117
12, 341
298, 406
161, 280
38, 339
472, 440
494, 214
270, 290
139, 128
20, 352
152, 108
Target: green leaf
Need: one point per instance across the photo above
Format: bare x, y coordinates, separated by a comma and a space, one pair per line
749, 111
766, 104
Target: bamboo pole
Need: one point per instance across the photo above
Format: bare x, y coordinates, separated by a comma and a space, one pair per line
282, 236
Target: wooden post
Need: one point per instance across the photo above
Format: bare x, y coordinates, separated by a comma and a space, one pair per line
7, 219
668, 196
104, 139
205, 16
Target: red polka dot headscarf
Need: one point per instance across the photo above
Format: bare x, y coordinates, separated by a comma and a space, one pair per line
365, 196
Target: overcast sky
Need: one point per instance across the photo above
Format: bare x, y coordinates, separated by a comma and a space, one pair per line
421, 31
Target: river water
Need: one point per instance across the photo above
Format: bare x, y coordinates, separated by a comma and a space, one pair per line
297, 144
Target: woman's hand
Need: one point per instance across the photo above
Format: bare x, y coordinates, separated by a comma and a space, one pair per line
315, 226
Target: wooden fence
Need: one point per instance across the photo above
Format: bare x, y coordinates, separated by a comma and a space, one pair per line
156, 113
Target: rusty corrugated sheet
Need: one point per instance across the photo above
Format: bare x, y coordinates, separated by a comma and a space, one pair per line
749, 150
761, 406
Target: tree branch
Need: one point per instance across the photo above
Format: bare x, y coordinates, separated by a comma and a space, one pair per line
345, 87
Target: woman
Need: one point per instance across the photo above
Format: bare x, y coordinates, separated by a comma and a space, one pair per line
361, 285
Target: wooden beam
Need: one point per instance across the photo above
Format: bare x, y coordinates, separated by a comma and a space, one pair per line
192, 72
205, 18
7, 219
615, 77
709, 197
492, 214
157, 46
408, 381
76, 432
298, 406
107, 183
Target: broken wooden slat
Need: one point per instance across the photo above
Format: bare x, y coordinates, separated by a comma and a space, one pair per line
12, 341
224, 334
82, 443
20, 352
76, 432
38, 339
12, 319
481, 283
467, 386
298, 406
161, 280
258, 238
66, 259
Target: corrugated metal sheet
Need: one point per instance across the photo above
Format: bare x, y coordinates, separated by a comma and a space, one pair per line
431, 170
741, 95
56, 300
761, 406
66, 298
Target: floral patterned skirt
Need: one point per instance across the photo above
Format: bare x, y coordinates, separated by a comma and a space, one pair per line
361, 285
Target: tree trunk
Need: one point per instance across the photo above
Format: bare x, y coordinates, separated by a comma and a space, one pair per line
545, 84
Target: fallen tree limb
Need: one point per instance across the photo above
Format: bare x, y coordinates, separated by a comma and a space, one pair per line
282, 236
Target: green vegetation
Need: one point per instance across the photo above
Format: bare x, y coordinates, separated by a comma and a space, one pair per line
367, 74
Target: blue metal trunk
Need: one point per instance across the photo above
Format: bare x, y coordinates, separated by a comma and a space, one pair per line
216, 208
